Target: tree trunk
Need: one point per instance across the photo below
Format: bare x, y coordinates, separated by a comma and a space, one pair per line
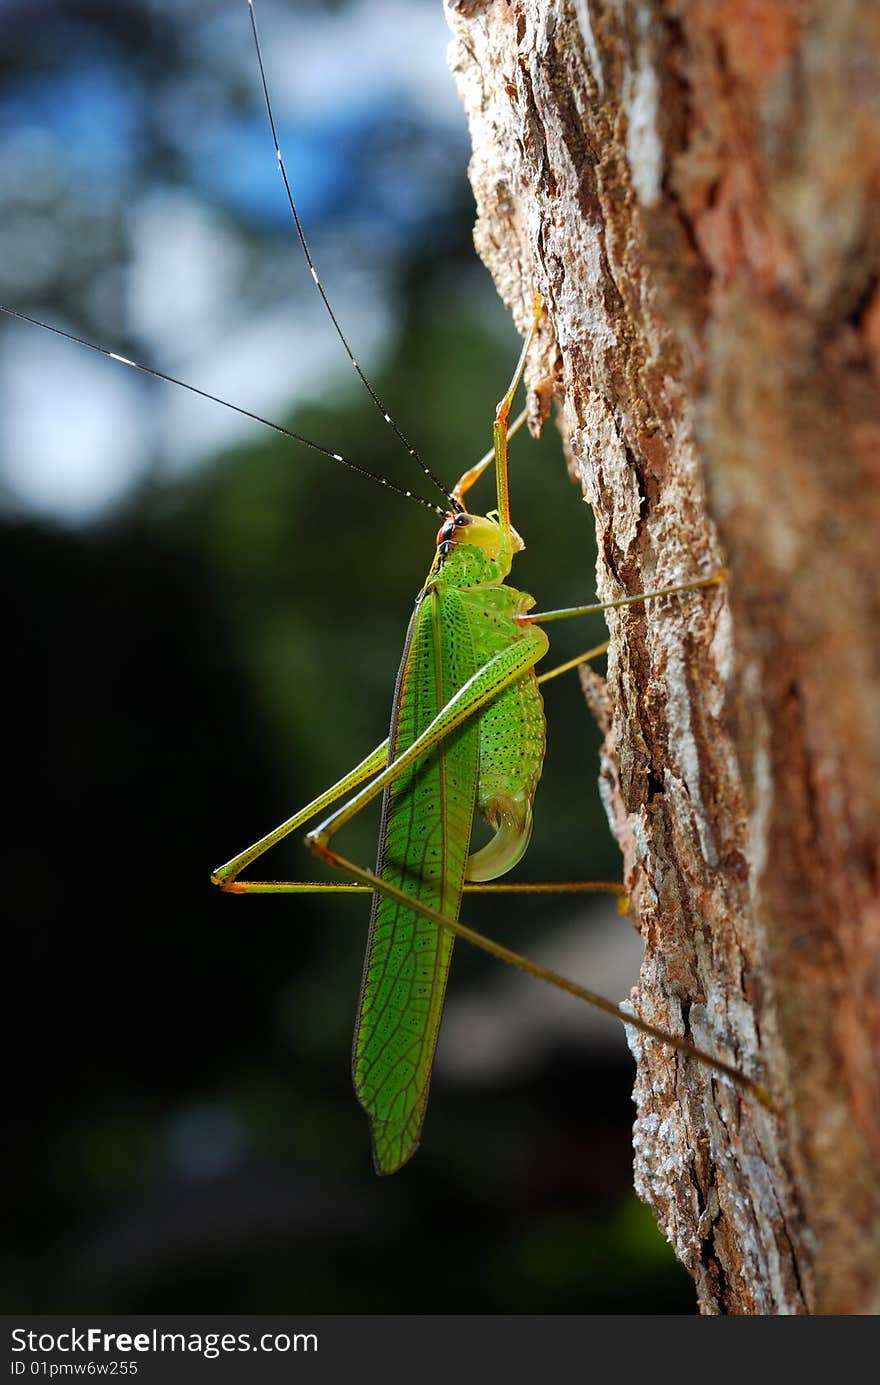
693, 187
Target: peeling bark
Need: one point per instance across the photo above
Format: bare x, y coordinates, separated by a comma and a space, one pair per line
693, 187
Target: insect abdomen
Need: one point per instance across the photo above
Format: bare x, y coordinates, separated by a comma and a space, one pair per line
512, 738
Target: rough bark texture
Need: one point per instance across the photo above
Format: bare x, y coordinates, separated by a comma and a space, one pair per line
693, 186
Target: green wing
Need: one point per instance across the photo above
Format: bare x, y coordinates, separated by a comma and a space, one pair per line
425, 837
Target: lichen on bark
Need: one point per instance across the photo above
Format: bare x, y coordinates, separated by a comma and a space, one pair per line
693, 187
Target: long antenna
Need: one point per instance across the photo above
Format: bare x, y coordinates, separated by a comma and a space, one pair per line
236, 408
319, 286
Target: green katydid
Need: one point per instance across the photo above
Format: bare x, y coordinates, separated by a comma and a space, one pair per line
467, 734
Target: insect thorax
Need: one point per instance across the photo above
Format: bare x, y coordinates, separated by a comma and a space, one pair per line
464, 565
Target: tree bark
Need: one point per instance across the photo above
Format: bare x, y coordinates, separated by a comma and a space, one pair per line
693, 187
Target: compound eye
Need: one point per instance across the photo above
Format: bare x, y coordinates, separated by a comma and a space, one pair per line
462, 519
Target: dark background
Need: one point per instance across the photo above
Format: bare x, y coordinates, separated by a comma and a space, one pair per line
205, 636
